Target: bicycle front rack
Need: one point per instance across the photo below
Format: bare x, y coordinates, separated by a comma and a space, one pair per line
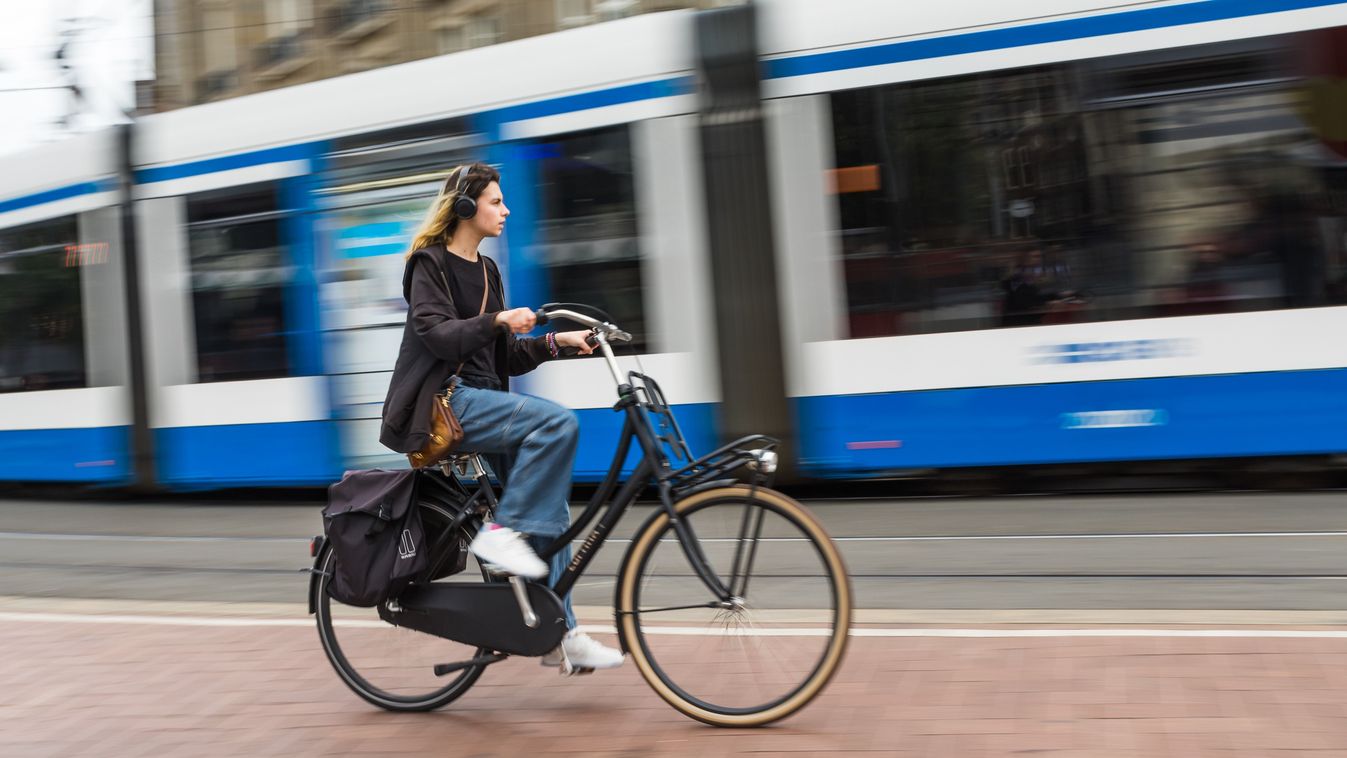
756, 452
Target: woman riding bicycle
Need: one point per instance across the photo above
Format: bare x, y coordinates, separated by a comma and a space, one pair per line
445, 344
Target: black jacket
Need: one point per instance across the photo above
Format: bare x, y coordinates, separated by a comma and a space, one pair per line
435, 341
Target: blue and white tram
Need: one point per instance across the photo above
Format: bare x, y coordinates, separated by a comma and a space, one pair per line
270, 252
1176, 166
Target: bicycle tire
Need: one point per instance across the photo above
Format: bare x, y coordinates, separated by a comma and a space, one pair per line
636, 575
361, 684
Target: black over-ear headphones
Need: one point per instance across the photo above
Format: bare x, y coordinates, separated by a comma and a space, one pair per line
464, 207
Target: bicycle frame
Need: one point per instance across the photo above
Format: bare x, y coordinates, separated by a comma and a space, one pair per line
653, 468
641, 399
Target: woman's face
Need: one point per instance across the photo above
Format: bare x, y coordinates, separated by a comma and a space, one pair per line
491, 212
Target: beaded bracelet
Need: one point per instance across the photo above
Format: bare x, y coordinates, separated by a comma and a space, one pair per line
552, 344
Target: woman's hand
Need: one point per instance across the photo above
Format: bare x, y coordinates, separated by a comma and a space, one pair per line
517, 320
575, 340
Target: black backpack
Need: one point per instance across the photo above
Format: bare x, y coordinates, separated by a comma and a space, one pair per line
376, 534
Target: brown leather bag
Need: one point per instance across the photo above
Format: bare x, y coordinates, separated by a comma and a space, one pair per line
445, 431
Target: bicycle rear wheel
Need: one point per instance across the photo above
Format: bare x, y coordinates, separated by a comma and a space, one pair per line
763, 655
393, 667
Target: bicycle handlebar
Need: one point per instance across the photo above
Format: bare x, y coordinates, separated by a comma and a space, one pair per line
603, 334
610, 332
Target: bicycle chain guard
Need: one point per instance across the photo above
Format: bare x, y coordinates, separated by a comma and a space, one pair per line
481, 615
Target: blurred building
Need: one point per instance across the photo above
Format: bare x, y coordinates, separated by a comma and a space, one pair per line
214, 49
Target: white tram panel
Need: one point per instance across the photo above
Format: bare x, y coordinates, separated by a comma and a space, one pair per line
81, 169
648, 47
1234, 343
792, 28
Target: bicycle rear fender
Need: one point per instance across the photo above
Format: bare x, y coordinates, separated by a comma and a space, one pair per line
316, 550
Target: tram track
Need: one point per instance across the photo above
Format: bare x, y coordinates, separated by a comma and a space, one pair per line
1175, 552
592, 575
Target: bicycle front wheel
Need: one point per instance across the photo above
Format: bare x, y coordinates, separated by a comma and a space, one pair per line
393, 667
759, 656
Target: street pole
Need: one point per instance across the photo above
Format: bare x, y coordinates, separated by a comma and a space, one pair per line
143, 472
739, 217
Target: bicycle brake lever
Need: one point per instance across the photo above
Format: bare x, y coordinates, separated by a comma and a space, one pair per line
591, 340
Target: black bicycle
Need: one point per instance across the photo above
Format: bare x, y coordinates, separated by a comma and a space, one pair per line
731, 599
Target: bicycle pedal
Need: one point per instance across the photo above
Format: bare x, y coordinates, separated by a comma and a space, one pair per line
566, 669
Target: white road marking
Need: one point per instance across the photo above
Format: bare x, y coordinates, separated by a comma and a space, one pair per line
915, 538
1134, 536
79, 618
915, 632
138, 538
96, 618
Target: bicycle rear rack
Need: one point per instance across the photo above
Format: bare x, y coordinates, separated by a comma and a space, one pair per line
756, 452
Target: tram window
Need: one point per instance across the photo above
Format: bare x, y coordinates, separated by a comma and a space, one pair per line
587, 233
238, 278
1078, 192
41, 318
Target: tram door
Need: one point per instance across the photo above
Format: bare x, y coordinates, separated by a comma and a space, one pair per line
371, 204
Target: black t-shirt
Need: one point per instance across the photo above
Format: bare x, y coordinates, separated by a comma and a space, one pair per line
465, 287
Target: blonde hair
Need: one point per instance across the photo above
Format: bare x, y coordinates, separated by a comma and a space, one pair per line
464, 181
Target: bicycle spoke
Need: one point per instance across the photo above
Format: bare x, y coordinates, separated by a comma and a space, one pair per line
678, 608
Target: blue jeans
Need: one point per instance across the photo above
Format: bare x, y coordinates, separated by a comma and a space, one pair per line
530, 444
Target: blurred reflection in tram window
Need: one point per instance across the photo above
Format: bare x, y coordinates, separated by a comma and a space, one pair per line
1178, 182
587, 236
364, 244
41, 316
238, 278
1036, 289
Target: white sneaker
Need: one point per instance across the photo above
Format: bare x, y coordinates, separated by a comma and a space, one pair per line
504, 550
579, 651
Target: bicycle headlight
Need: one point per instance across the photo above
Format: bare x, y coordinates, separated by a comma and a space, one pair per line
763, 460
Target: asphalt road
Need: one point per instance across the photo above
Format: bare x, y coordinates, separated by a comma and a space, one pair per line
1216, 551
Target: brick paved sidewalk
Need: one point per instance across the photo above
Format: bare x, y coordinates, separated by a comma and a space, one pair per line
77, 688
